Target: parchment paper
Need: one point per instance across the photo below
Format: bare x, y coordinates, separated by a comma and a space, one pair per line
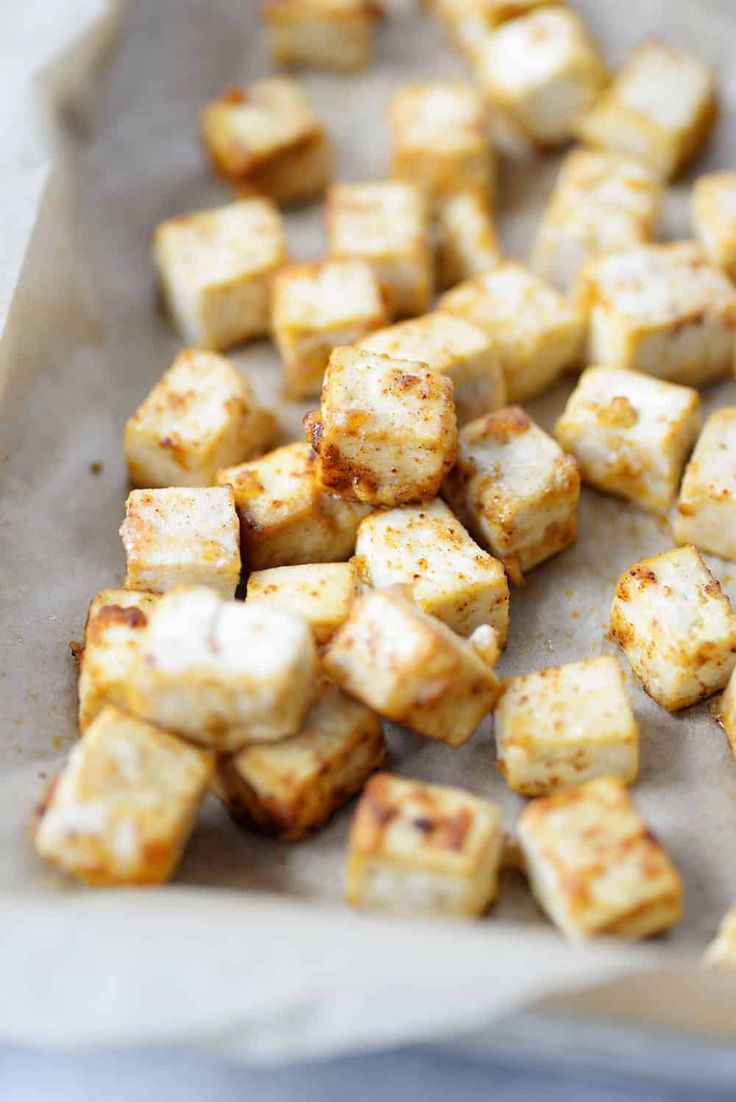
250, 950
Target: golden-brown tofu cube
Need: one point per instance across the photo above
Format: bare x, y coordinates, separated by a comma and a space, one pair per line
706, 507
469, 21
721, 952
467, 242
714, 218
320, 592
327, 34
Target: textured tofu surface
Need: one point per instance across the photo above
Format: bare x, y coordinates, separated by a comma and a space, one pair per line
676, 627
467, 239
514, 489
630, 434
706, 507
595, 867
329, 34
320, 592
123, 808
565, 725
420, 849
721, 953
469, 21
426, 548
714, 218
223, 673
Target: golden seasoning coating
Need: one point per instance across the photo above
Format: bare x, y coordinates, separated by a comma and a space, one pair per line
706, 507
467, 242
721, 952
329, 34
320, 592
713, 212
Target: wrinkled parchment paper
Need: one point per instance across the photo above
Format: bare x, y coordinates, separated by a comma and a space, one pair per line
250, 951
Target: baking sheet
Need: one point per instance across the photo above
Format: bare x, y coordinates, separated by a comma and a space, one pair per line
250, 949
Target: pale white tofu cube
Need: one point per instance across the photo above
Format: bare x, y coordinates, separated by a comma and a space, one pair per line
676, 627
721, 953
706, 507
727, 712
469, 21
320, 592
326, 34
467, 242
714, 218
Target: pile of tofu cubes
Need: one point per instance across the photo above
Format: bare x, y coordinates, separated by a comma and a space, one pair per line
281, 601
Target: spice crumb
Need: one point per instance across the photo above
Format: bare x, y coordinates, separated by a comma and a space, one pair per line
97, 467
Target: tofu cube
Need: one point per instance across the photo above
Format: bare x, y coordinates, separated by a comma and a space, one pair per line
540, 73
630, 434
181, 536
676, 627
385, 224
116, 621
267, 140
215, 267
328, 34
289, 788
659, 109
594, 865
602, 203
536, 332
721, 953
411, 668
122, 810
320, 592
706, 508
427, 549
422, 849
223, 673
286, 518
316, 307
386, 431
200, 416
714, 218
727, 713
467, 241
469, 21
661, 309
515, 490
565, 725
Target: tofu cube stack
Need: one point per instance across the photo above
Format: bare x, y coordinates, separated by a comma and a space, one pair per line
329, 34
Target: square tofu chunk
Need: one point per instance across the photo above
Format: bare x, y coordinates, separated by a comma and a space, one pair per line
328, 34
537, 333
290, 787
266, 139
286, 518
676, 627
223, 673
215, 267
541, 72
181, 536
602, 203
386, 431
427, 549
706, 508
116, 621
200, 416
659, 109
453, 346
721, 953
595, 867
122, 810
316, 307
566, 725
320, 592
630, 434
412, 669
469, 21
384, 223
714, 218
467, 241
422, 849
515, 490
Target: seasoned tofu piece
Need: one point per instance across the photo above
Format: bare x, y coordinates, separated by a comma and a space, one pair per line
540, 73
427, 549
116, 621
200, 416
327, 34
320, 592
727, 712
215, 267
266, 139
384, 223
630, 434
515, 490
601, 204
676, 627
665, 310
721, 953
537, 333
467, 241
316, 307
706, 507
412, 669
181, 536
453, 346
223, 673
290, 787
123, 808
469, 21
422, 849
594, 865
386, 431
286, 518
660, 109
714, 218
565, 725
